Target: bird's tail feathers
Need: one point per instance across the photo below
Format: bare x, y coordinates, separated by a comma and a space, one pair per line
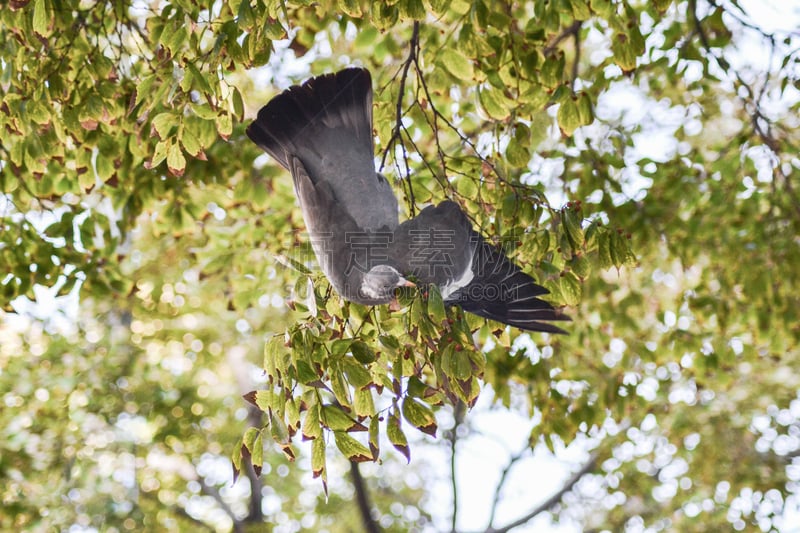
339, 101
501, 291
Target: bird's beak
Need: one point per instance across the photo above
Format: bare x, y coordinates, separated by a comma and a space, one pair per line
406, 283
394, 305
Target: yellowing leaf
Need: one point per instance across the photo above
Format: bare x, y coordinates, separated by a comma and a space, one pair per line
236, 460
357, 375
253, 443
224, 125
568, 118
420, 416
351, 448
517, 155
436, 305
334, 418
163, 123
41, 18
397, 437
580, 9
572, 227
159, 154
318, 461
374, 438
457, 65
176, 162
493, 103
585, 113
362, 403
624, 52
311, 425
570, 288
552, 71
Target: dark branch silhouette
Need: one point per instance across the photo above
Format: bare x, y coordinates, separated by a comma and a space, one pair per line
362, 499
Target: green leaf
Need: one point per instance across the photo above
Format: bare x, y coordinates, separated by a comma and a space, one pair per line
568, 118
191, 143
570, 288
552, 71
312, 428
374, 438
224, 125
366, 37
305, 372
462, 368
625, 54
340, 388
236, 459
604, 250
572, 227
585, 113
620, 250
176, 162
517, 155
318, 461
362, 352
159, 154
420, 416
357, 375
351, 448
257, 453
436, 305
604, 8
362, 404
580, 9
493, 103
163, 124
41, 18
272, 350
105, 167
280, 434
238, 103
335, 418
581, 265
456, 64
397, 437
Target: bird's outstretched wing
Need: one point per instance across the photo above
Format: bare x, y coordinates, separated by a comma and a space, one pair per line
440, 246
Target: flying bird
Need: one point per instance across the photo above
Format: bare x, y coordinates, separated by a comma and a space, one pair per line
321, 131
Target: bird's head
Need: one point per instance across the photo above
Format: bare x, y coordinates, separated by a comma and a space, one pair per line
379, 283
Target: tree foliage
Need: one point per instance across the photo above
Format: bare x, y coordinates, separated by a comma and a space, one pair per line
635, 156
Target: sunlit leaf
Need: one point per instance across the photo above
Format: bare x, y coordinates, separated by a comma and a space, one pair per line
420, 416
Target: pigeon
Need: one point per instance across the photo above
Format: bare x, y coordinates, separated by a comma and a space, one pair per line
321, 131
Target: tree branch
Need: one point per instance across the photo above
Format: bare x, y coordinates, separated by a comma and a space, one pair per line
553, 500
572, 29
362, 499
179, 511
458, 417
503, 476
398, 124
210, 490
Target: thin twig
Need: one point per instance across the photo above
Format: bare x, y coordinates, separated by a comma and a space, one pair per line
396, 135
575, 64
501, 483
553, 500
572, 29
210, 490
458, 416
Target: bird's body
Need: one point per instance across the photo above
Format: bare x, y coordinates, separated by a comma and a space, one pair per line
322, 132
